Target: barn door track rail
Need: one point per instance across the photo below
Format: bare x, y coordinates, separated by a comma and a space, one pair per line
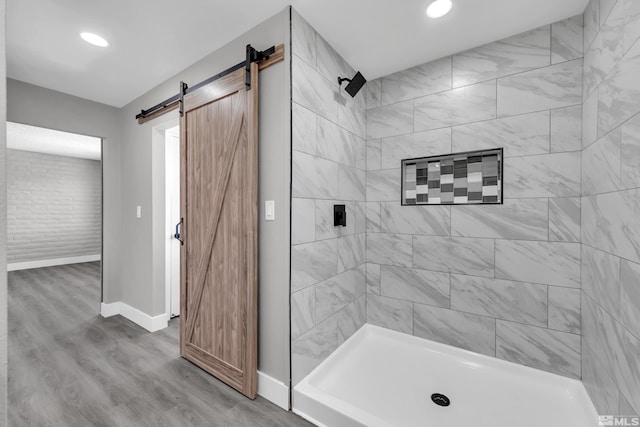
264, 58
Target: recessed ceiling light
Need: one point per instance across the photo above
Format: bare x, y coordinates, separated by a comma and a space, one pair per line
94, 39
439, 8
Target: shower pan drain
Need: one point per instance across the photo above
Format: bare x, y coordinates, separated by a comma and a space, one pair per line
440, 399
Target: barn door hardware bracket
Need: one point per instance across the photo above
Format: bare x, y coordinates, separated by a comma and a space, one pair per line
252, 56
256, 56
183, 91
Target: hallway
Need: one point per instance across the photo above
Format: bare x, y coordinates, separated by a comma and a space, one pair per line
70, 367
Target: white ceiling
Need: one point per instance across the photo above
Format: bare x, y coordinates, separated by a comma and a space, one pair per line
47, 141
152, 40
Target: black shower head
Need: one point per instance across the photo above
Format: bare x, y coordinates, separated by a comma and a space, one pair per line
355, 84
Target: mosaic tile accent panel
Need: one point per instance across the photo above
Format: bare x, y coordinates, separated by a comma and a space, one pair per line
473, 177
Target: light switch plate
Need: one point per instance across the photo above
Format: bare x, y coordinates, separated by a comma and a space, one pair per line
139, 212
269, 210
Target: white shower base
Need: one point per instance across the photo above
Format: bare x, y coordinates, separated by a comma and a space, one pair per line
381, 378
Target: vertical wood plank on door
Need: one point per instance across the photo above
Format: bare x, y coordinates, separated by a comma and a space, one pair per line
219, 142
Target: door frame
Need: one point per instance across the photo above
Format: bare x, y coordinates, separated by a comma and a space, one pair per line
159, 203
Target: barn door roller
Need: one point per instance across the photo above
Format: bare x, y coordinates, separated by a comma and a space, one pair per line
252, 55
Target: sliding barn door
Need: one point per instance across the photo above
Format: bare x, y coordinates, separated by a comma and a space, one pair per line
219, 180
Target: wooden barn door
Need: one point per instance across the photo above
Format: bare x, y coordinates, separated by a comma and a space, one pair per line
219, 187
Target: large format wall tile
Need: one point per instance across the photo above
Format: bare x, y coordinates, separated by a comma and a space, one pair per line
421, 286
352, 114
605, 51
548, 175
619, 93
311, 90
630, 296
313, 262
330, 64
428, 220
303, 39
590, 120
591, 22
418, 81
631, 31
564, 309
539, 262
390, 120
601, 333
601, 278
373, 217
502, 299
542, 89
515, 219
373, 278
310, 349
335, 143
455, 107
419, 144
383, 185
566, 129
522, 135
303, 311
515, 54
351, 183
390, 313
373, 94
351, 251
566, 39
454, 255
564, 219
599, 383
553, 351
303, 128
601, 165
630, 154
389, 249
629, 368
373, 155
351, 318
337, 292
464, 330
610, 222
314, 177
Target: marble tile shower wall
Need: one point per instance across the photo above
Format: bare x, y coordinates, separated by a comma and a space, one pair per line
611, 206
327, 262
503, 280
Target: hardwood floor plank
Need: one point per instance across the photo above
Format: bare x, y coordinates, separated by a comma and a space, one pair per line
68, 366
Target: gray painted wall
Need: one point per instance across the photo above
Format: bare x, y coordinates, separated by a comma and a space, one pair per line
611, 207
38, 106
53, 206
143, 282
327, 262
503, 280
3, 220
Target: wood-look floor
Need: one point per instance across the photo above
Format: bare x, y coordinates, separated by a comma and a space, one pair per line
68, 366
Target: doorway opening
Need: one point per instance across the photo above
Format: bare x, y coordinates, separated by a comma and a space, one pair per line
54, 186
173, 219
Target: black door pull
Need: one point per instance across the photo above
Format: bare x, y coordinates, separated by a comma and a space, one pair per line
177, 235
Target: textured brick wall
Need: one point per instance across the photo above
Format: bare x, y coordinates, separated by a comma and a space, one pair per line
53, 206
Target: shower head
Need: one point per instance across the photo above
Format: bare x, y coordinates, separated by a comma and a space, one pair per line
355, 84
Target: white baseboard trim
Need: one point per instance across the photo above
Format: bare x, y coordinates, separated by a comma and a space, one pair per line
273, 390
150, 323
25, 265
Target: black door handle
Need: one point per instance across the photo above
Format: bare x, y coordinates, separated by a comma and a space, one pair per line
178, 235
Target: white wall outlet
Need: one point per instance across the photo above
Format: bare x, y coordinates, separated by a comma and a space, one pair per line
138, 211
269, 210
